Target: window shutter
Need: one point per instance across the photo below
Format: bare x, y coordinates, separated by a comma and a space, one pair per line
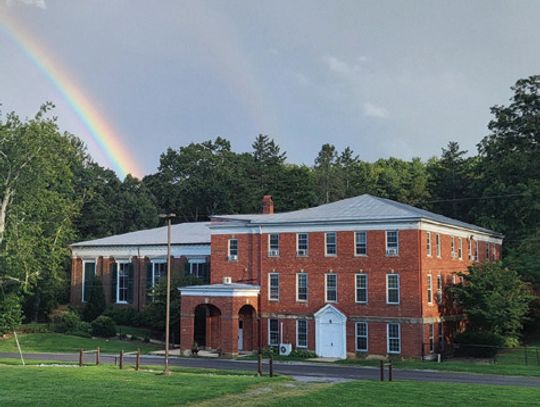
186, 268
130, 283
149, 281
114, 278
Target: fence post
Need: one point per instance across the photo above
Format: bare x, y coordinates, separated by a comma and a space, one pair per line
390, 371
381, 367
271, 365
259, 364
121, 359
80, 357
97, 355
138, 360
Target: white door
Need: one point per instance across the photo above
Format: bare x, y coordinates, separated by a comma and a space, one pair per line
240, 335
331, 336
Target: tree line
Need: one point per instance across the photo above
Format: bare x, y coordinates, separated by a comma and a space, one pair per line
52, 193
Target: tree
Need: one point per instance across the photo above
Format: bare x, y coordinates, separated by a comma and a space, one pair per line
494, 299
329, 184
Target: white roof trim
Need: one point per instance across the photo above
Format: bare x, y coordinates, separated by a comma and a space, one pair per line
219, 290
330, 308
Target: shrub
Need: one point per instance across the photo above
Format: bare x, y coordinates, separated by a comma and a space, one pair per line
125, 316
10, 312
95, 304
303, 354
67, 322
103, 326
478, 344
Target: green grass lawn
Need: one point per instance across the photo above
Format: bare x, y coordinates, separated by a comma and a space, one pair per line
107, 385
54, 342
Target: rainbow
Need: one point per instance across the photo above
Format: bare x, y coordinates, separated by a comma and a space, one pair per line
94, 121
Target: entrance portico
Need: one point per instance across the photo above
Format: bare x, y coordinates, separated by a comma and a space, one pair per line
220, 317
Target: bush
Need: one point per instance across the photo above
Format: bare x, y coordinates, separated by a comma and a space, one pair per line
478, 344
96, 301
303, 354
125, 316
103, 326
10, 313
66, 322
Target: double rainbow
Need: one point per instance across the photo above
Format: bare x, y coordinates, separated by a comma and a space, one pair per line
95, 122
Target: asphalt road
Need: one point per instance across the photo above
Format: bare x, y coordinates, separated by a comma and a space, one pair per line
317, 371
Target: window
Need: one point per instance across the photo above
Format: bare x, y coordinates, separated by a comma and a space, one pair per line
431, 338
476, 251
273, 245
392, 288
159, 270
331, 287
392, 243
331, 245
439, 289
428, 243
301, 333
470, 250
233, 249
460, 248
273, 332
441, 336
122, 283
487, 251
301, 286
199, 269
494, 251
361, 243
429, 289
301, 244
453, 247
393, 338
361, 337
454, 279
88, 275
273, 283
361, 288
438, 244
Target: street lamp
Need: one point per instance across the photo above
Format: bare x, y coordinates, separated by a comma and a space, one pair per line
168, 217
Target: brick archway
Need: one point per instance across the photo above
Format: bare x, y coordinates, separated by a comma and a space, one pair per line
247, 328
207, 326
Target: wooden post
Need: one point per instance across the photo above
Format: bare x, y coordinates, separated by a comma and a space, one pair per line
97, 355
381, 367
271, 365
138, 360
80, 357
390, 371
259, 364
121, 359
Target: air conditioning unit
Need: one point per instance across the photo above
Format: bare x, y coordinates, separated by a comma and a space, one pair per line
273, 253
233, 257
301, 252
227, 280
391, 252
285, 349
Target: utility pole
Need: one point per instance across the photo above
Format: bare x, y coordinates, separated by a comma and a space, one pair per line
169, 217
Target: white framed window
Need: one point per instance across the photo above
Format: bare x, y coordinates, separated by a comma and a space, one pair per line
233, 250
301, 333
460, 248
273, 245
200, 269
438, 244
273, 286
361, 288
428, 243
429, 289
487, 251
273, 332
393, 335
431, 334
453, 247
494, 251
439, 289
88, 275
392, 243
122, 282
301, 244
159, 270
301, 286
454, 279
330, 244
392, 288
330, 287
360, 243
361, 336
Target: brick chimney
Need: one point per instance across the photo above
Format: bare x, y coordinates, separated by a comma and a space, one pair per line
267, 205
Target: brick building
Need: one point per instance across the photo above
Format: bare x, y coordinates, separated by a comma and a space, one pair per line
360, 276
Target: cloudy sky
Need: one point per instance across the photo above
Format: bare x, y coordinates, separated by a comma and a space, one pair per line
387, 78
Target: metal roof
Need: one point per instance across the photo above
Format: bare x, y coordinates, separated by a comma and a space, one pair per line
181, 234
362, 208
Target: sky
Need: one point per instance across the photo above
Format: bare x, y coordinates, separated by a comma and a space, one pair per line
132, 78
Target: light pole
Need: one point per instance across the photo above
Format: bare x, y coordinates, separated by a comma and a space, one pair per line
169, 217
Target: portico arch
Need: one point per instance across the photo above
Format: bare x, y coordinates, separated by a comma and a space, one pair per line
207, 326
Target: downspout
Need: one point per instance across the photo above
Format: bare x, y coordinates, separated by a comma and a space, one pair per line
259, 280
421, 289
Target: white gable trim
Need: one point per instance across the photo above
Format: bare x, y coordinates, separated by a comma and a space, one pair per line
140, 251
330, 308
